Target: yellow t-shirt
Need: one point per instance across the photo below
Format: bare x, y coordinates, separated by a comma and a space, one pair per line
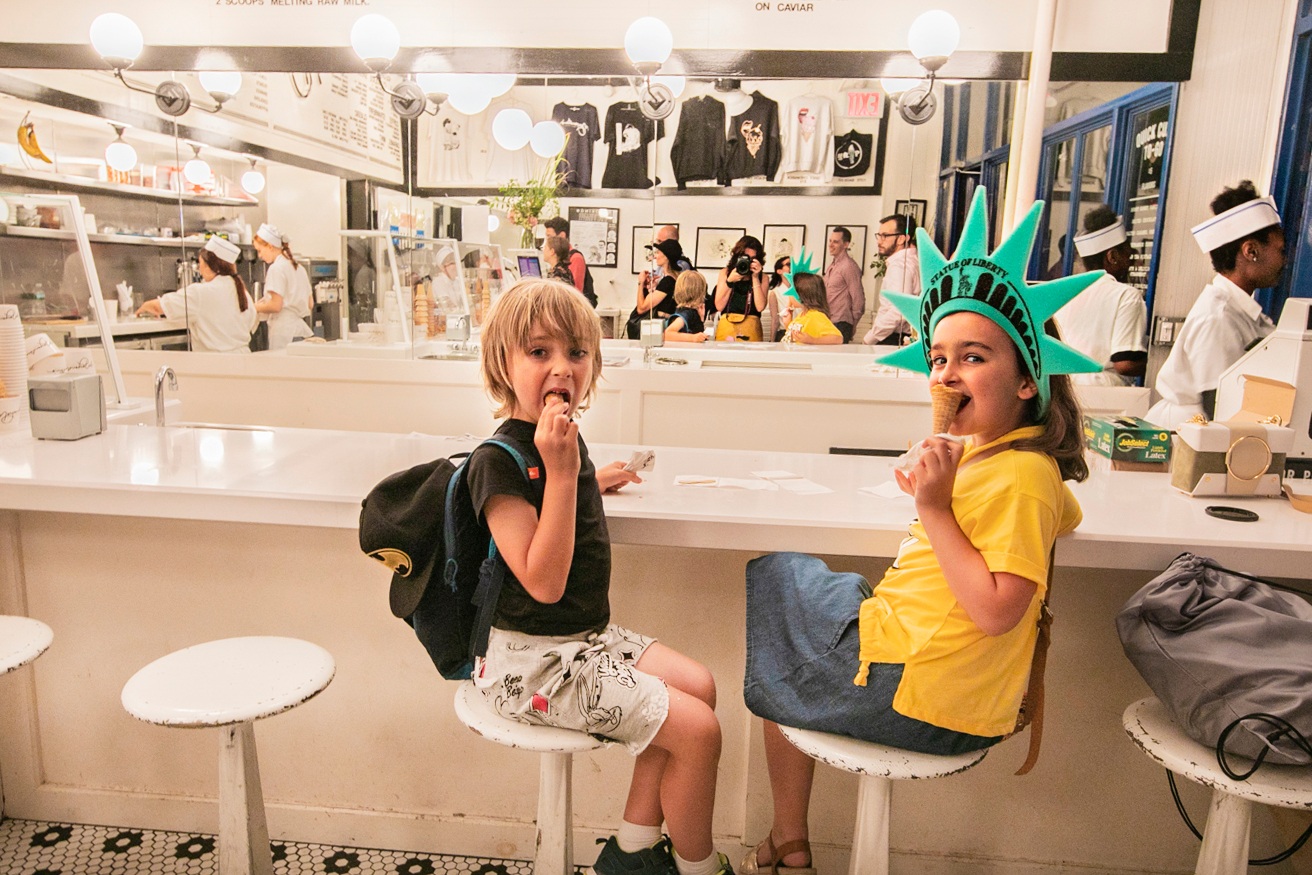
1011, 506
816, 324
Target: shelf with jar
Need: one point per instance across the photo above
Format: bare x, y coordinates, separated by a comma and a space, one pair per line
124, 188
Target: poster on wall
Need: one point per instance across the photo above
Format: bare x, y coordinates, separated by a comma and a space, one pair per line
782, 241
595, 231
1148, 133
640, 256
857, 250
913, 209
714, 246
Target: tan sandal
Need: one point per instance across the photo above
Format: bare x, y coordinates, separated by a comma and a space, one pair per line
750, 866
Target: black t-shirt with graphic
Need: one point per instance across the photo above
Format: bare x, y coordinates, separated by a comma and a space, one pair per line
628, 134
852, 154
583, 127
754, 147
585, 606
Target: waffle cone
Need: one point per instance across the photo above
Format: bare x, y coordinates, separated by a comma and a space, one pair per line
946, 402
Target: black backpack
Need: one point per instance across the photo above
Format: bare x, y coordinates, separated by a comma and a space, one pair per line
589, 291
446, 571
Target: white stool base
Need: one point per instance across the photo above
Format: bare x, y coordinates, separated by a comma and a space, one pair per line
243, 830
870, 838
1225, 838
554, 854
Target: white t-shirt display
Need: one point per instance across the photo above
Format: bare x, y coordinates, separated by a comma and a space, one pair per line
1106, 318
809, 137
444, 146
293, 284
213, 315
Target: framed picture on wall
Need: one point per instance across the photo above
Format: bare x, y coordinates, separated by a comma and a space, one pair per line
782, 241
641, 255
595, 231
913, 208
858, 248
714, 246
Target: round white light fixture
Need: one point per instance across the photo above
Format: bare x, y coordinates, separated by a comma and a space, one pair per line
493, 222
512, 128
498, 83
221, 85
376, 40
196, 171
468, 96
676, 84
117, 39
648, 43
893, 86
436, 84
547, 139
933, 37
120, 155
252, 181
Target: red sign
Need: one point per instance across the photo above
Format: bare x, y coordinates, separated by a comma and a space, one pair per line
865, 104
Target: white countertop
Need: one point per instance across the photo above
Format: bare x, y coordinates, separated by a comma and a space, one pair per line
317, 478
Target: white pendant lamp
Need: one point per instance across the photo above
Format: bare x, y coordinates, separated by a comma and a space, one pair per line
894, 86
547, 139
222, 85
493, 222
376, 40
252, 181
469, 96
648, 43
512, 128
120, 155
117, 39
933, 37
197, 171
499, 83
676, 84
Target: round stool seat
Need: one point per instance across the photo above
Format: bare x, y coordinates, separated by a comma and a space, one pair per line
234, 680
475, 712
868, 758
1150, 726
22, 640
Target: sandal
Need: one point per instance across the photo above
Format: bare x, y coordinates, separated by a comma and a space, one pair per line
750, 866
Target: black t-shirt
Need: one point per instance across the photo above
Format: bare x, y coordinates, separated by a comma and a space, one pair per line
692, 320
665, 306
628, 134
581, 123
585, 606
852, 154
741, 299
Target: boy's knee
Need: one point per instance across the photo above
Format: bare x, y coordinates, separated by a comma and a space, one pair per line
701, 684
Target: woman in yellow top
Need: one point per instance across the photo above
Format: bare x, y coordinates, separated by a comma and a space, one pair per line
813, 324
935, 659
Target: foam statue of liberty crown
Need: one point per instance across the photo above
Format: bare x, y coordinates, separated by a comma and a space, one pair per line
992, 285
800, 264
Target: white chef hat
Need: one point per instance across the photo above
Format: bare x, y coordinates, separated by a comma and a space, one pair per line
269, 234
229, 252
1236, 223
445, 254
1101, 240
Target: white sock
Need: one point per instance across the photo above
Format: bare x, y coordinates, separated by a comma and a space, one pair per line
709, 866
633, 837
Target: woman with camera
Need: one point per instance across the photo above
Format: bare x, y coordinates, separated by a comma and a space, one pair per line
741, 292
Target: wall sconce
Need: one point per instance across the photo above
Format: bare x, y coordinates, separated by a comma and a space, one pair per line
468, 93
648, 43
118, 41
511, 128
120, 155
252, 181
376, 40
222, 86
197, 171
933, 37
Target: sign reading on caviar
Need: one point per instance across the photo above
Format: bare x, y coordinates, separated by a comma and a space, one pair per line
1148, 144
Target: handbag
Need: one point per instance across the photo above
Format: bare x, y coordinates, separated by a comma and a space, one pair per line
738, 325
633, 327
1228, 655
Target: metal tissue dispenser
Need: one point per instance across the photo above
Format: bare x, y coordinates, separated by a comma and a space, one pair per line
66, 407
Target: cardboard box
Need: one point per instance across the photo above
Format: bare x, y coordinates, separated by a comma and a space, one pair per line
1244, 455
1127, 439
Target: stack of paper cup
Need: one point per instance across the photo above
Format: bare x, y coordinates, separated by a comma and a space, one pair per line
13, 372
43, 357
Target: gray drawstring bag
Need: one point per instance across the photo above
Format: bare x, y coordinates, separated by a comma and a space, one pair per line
1216, 646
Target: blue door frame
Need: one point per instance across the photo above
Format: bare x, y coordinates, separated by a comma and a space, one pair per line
1291, 187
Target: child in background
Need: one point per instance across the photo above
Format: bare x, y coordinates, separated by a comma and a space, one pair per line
687, 324
553, 656
936, 658
780, 301
813, 325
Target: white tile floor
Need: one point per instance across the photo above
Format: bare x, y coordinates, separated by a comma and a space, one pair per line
29, 847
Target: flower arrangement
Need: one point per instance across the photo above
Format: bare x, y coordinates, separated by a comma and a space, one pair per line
528, 203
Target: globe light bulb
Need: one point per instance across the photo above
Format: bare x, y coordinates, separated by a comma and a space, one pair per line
648, 43
120, 155
676, 84
498, 84
252, 181
198, 172
469, 98
117, 39
893, 86
512, 128
222, 85
436, 84
376, 40
933, 37
547, 139
493, 222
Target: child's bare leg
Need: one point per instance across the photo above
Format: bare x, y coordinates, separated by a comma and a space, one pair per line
791, 774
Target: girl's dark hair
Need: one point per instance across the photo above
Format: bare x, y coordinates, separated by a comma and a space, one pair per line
1063, 425
777, 278
1225, 257
226, 268
811, 292
744, 243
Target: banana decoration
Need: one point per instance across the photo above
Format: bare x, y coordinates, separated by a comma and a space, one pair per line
27, 140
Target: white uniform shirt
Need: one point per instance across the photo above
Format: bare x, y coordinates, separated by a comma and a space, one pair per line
293, 284
1106, 318
1221, 325
902, 274
213, 315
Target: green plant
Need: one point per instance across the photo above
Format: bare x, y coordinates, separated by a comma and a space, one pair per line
528, 203
878, 265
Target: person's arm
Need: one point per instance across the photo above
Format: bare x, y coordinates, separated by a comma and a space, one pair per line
153, 307
270, 303
822, 340
760, 287
642, 290
610, 478
886, 321
722, 290
1129, 331
674, 332
1130, 364
857, 292
578, 269
648, 303
539, 549
994, 602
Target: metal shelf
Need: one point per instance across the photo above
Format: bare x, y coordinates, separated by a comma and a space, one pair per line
79, 183
125, 239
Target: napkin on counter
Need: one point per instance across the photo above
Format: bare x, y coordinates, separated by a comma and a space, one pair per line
790, 482
722, 482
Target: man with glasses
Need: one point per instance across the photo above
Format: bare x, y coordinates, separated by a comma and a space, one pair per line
901, 274
847, 299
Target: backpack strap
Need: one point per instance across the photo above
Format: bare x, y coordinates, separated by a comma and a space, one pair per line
1031, 706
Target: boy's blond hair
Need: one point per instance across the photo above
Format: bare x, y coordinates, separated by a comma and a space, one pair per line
543, 306
689, 289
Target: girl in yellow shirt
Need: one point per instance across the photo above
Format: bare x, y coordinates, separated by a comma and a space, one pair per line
813, 325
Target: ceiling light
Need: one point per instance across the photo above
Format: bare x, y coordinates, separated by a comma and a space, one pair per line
493, 222
648, 43
120, 155
117, 39
469, 96
221, 85
933, 37
252, 181
676, 84
895, 86
547, 139
196, 171
511, 128
376, 40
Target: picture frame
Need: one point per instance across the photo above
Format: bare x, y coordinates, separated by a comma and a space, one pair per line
858, 248
714, 246
915, 208
595, 231
782, 240
639, 257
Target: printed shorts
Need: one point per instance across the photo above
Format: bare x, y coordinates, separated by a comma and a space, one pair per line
586, 683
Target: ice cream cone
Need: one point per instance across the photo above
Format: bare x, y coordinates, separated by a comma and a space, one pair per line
946, 402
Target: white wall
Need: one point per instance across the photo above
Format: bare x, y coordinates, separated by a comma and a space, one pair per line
308, 208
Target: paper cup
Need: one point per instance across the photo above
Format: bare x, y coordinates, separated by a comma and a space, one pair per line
79, 361
48, 365
11, 413
39, 346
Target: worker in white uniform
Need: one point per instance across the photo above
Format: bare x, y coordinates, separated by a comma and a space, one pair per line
220, 314
1247, 248
287, 296
896, 242
1108, 321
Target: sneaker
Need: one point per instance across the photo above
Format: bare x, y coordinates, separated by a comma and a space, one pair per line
725, 868
656, 860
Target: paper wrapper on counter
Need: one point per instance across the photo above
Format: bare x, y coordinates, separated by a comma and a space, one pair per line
945, 402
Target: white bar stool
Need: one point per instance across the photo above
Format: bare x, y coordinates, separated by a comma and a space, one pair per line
232, 683
1225, 838
22, 640
879, 767
555, 839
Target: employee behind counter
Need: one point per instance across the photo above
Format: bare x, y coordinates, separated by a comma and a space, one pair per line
219, 312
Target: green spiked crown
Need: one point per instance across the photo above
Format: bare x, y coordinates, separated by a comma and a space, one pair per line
800, 264
992, 285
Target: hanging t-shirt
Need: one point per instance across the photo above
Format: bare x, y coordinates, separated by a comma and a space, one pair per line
852, 153
809, 136
445, 144
502, 164
628, 134
753, 144
582, 125
698, 150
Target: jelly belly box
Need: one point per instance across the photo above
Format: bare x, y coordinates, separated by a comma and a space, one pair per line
1127, 439
1244, 455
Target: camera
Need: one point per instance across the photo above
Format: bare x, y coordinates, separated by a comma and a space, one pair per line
743, 265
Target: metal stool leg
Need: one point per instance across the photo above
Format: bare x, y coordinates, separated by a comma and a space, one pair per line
243, 831
870, 838
1225, 839
555, 845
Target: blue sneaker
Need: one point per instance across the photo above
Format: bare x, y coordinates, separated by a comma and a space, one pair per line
656, 860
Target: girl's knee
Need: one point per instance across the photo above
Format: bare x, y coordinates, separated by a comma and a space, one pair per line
699, 682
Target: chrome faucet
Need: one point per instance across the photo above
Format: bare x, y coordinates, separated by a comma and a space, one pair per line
165, 371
